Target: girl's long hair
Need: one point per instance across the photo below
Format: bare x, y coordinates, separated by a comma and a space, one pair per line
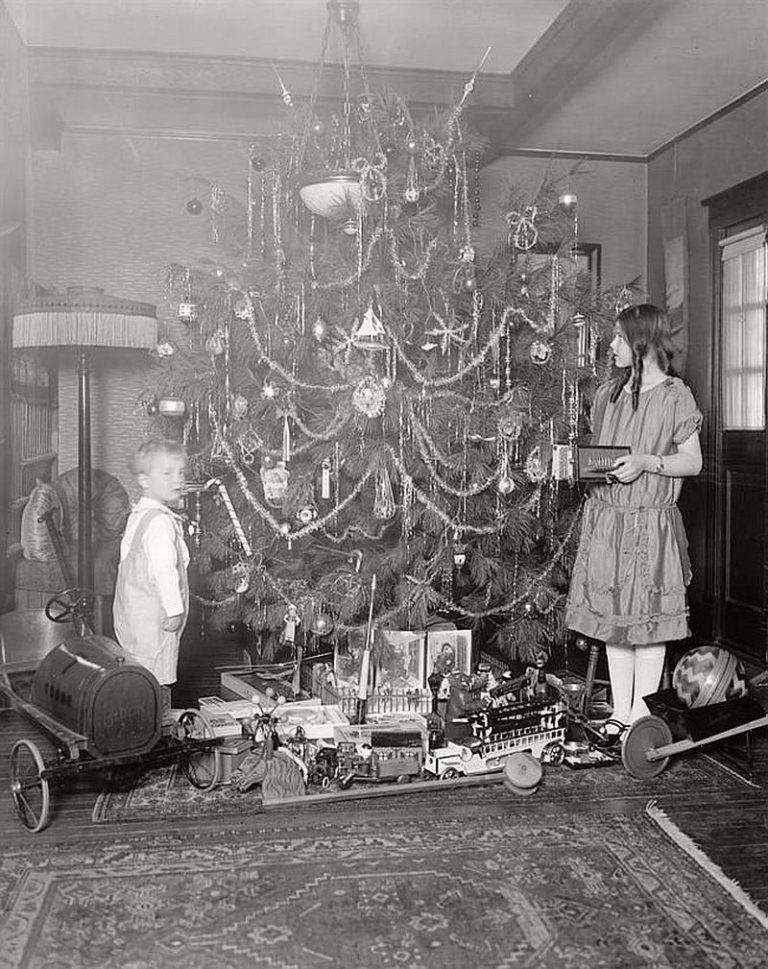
645, 328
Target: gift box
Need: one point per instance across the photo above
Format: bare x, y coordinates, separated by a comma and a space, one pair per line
594, 462
232, 753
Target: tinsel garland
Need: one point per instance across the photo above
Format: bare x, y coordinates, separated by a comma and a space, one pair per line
266, 516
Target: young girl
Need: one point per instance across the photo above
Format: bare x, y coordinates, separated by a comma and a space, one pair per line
632, 569
151, 596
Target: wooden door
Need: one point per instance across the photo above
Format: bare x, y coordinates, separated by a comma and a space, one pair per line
741, 560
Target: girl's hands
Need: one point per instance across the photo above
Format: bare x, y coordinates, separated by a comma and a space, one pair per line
628, 468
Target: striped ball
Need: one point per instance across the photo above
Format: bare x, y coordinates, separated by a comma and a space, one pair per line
708, 674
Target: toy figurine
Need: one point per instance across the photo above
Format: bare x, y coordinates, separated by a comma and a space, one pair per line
464, 698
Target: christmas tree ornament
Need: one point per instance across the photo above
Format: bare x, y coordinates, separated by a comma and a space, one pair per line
505, 484
510, 425
285, 94
368, 397
373, 180
370, 334
535, 466
269, 391
241, 578
225, 499
291, 620
194, 206
523, 233
384, 506
318, 128
151, 408
215, 344
165, 349
540, 352
171, 407
319, 329
412, 188
286, 449
322, 624
248, 445
459, 556
187, 312
242, 309
239, 407
325, 479
274, 480
306, 514
567, 202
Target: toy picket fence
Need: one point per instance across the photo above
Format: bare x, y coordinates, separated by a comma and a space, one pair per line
378, 702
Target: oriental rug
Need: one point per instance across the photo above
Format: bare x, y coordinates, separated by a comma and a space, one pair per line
569, 891
166, 795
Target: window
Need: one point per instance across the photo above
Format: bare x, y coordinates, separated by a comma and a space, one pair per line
743, 259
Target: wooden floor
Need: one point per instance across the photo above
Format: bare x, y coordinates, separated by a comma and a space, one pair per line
732, 830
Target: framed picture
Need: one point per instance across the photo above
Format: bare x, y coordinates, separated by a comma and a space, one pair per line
400, 660
449, 650
348, 659
585, 260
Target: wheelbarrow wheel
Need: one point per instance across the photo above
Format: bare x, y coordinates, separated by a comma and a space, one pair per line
29, 789
201, 766
645, 736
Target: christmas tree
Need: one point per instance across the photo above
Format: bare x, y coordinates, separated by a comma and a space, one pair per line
365, 395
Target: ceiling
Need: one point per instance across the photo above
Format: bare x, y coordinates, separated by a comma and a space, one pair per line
617, 78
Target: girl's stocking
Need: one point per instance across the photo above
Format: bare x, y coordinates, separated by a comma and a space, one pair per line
649, 665
621, 670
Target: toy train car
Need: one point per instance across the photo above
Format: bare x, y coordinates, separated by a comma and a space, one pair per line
87, 685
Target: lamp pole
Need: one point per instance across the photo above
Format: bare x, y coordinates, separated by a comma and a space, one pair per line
84, 524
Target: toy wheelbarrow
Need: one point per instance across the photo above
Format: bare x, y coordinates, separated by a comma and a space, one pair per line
675, 729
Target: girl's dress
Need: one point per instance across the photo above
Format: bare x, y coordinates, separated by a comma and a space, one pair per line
632, 568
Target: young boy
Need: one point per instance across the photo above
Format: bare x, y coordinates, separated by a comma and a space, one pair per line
152, 594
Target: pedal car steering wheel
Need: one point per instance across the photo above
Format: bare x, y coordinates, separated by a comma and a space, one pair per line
70, 604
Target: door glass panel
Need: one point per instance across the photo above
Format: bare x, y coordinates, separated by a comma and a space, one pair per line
743, 333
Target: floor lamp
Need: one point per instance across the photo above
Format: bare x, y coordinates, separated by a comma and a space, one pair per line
79, 320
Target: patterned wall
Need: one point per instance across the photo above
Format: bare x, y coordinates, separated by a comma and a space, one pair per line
111, 212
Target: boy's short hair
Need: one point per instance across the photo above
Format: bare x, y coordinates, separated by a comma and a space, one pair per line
145, 454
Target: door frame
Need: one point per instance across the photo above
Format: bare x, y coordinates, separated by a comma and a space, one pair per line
738, 208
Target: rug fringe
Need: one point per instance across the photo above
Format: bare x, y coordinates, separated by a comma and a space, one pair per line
689, 846
732, 771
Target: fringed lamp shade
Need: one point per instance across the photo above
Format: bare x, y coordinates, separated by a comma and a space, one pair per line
80, 319
85, 318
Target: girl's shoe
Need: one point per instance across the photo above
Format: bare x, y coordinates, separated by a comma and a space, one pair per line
612, 734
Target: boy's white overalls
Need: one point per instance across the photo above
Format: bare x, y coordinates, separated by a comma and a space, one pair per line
139, 611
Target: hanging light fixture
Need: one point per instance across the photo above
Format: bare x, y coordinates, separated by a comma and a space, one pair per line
335, 192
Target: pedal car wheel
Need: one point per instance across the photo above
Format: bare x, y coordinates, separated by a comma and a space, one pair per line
29, 789
201, 767
645, 735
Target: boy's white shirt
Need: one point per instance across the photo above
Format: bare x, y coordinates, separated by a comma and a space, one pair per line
160, 548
